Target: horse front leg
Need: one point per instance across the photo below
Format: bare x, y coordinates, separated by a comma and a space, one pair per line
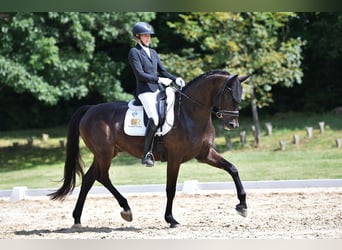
172, 175
214, 159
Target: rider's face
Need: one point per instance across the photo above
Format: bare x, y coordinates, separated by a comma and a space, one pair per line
145, 39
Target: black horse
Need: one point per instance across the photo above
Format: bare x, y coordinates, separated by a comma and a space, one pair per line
101, 128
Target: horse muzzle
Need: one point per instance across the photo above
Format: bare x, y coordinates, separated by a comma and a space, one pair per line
230, 119
233, 124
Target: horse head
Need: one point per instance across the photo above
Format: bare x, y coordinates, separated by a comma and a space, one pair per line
227, 100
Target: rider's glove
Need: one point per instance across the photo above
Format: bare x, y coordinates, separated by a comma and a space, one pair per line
180, 82
165, 81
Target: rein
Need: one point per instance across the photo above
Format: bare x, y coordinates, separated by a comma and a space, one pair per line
221, 113
188, 97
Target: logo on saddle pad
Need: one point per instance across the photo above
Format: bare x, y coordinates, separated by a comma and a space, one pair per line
134, 124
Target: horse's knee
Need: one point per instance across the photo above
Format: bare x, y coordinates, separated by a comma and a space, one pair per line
232, 170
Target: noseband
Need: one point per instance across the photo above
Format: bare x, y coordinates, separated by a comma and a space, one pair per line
221, 113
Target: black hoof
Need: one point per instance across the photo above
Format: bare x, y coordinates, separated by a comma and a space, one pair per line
174, 225
127, 215
242, 210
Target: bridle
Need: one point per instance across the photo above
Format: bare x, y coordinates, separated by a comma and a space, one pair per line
221, 113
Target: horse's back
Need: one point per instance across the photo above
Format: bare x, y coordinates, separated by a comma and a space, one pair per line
105, 111
101, 120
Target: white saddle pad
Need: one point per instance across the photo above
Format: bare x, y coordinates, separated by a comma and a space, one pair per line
134, 118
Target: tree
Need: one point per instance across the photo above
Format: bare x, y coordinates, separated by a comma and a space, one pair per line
321, 89
58, 56
254, 43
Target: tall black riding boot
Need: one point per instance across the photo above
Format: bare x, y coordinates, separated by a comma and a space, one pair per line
149, 138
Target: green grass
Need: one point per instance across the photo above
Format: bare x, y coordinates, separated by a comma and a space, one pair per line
41, 165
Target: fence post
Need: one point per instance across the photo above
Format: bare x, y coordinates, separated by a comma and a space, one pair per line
282, 145
45, 138
339, 142
243, 137
29, 141
321, 127
309, 131
228, 142
268, 126
61, 144
296, 139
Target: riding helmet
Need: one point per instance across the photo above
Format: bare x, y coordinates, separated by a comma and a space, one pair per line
142, 28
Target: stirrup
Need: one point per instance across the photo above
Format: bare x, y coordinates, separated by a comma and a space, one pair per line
148, 160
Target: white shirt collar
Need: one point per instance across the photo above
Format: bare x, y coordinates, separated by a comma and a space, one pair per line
147, 50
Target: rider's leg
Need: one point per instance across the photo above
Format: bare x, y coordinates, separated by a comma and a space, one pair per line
149, 101
148, 158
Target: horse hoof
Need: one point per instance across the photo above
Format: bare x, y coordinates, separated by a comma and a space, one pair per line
241, 211
77, 226
127, 215
174, 225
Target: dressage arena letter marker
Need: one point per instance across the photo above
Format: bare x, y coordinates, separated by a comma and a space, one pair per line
18, 193
190, 187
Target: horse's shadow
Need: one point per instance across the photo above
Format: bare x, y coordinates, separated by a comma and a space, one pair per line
41, 232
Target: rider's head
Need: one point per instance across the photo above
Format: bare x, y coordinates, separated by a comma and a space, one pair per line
142, 33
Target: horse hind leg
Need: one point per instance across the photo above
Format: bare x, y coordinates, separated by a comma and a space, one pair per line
126, 213
87, 182
103, 178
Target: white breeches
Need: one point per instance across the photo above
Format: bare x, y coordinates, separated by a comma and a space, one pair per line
150, 103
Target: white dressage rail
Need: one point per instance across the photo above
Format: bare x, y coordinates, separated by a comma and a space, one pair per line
191, 186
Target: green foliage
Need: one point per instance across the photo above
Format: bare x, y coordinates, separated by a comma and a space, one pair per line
64, 59
63, 55
321, 89
252, 43
180, 64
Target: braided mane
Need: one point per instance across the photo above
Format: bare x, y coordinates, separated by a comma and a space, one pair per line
205, 75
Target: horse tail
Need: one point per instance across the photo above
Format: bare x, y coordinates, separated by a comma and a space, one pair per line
73, 163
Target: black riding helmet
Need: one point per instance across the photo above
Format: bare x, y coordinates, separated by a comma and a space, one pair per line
142, 28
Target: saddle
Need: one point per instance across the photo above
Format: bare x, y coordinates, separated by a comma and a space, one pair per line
136, 119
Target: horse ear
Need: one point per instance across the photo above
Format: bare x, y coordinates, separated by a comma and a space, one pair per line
236, 89
232, 78
243, 78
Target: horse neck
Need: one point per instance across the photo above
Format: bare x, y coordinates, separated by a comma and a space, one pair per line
201, 96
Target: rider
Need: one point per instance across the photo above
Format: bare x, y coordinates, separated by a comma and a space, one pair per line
146, 65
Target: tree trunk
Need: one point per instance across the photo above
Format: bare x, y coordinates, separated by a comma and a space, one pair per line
255, 118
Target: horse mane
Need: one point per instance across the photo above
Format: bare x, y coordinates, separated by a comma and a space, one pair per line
205, 75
